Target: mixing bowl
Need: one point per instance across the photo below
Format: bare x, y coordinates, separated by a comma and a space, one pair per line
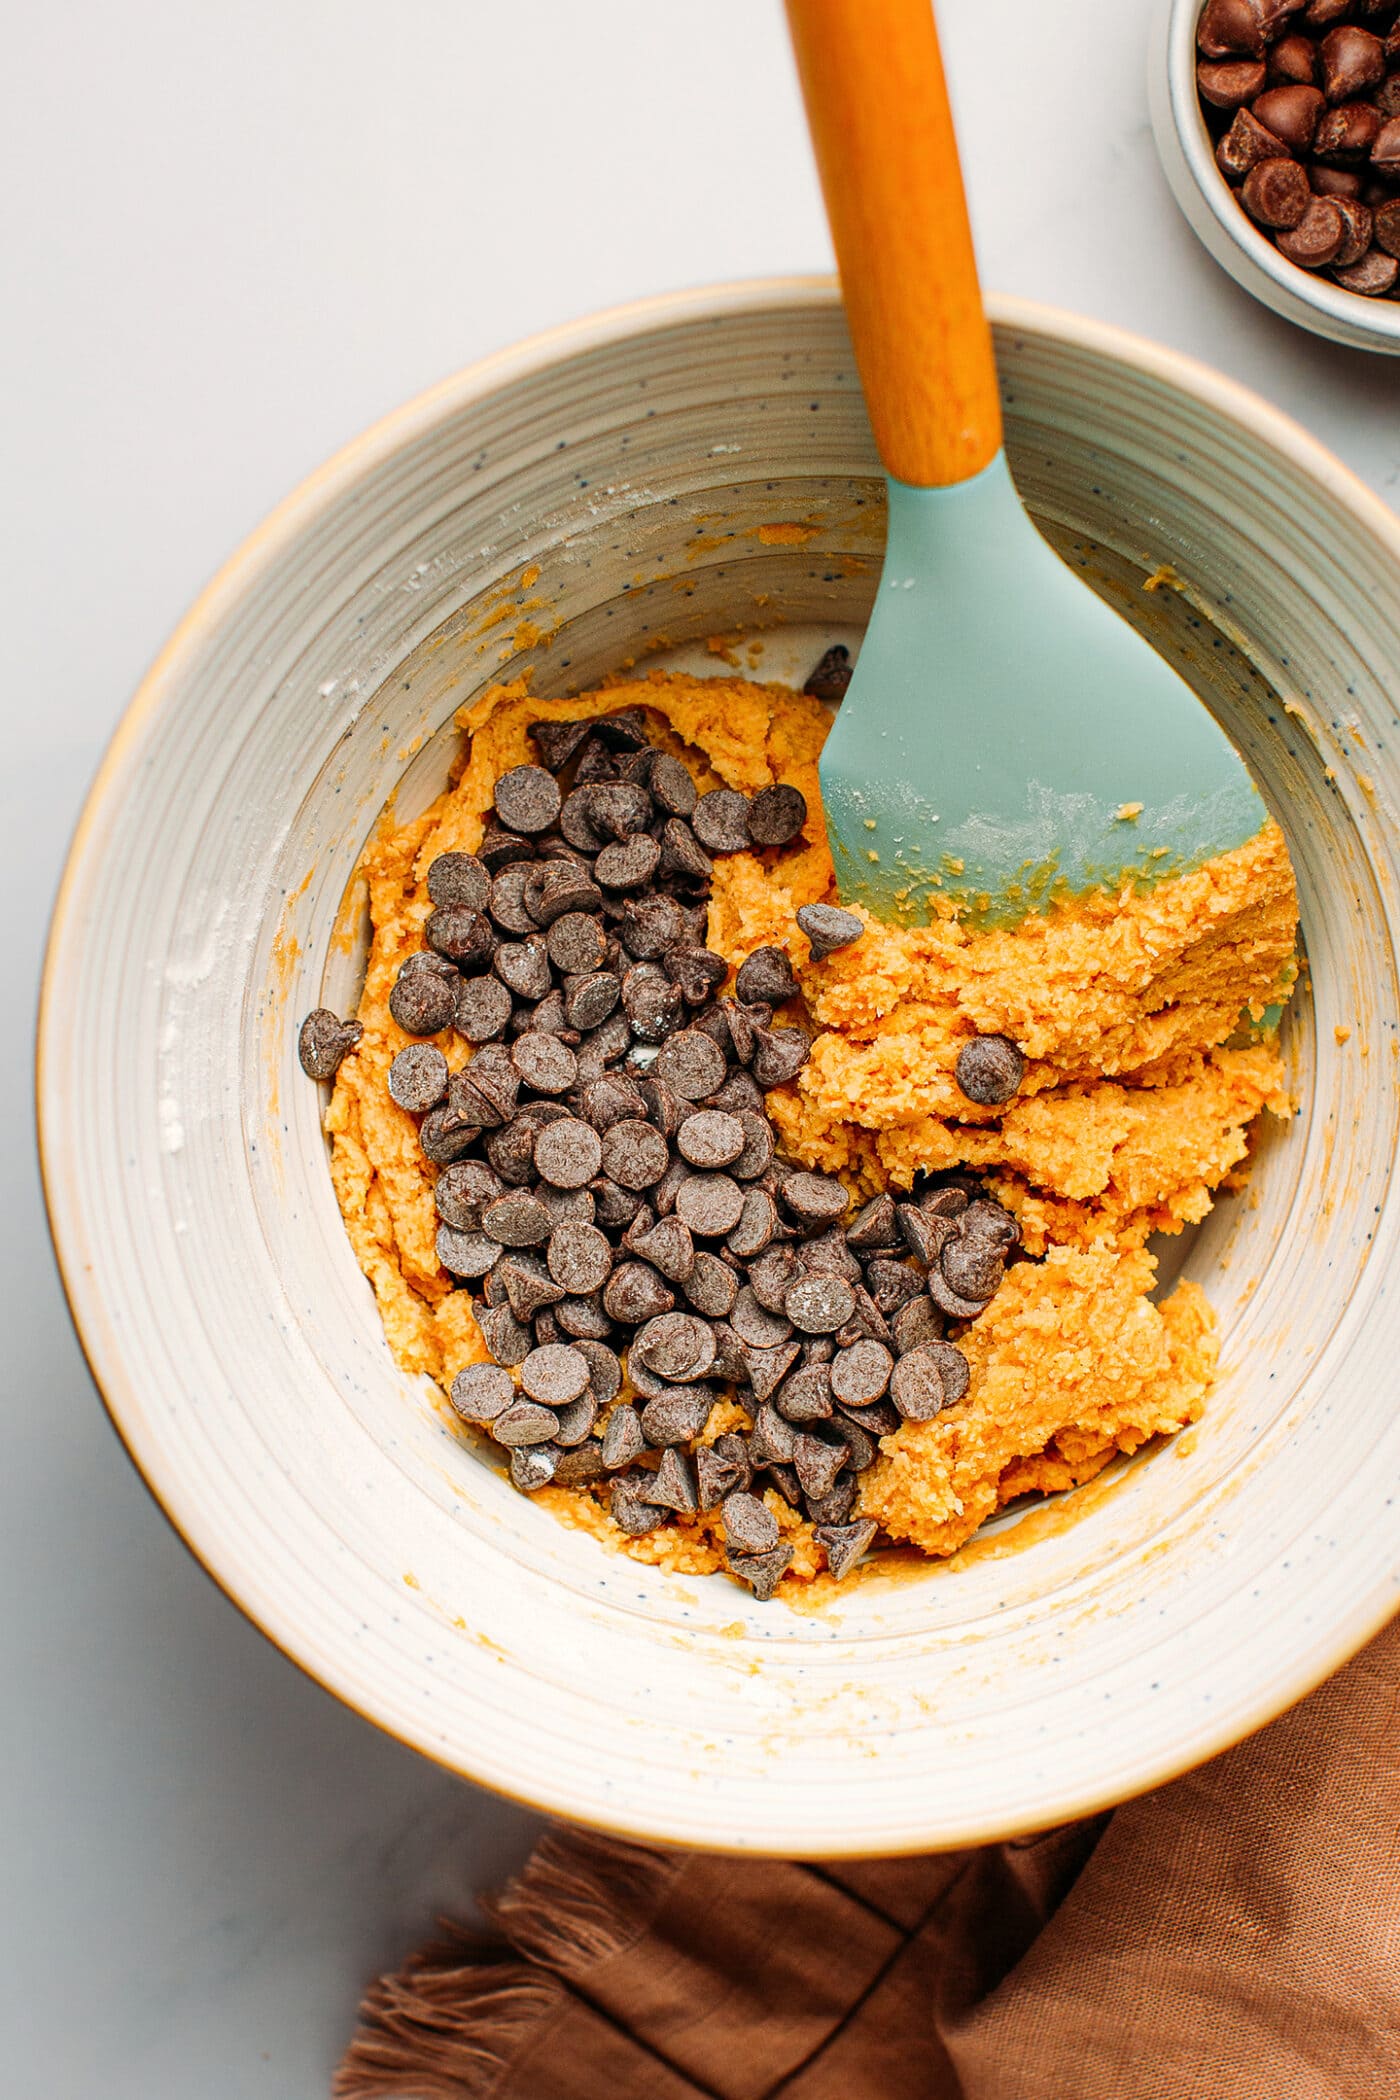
607, 494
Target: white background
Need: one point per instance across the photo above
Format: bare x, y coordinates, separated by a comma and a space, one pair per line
234, 236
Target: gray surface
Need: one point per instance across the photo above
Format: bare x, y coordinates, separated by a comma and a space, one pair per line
241, 234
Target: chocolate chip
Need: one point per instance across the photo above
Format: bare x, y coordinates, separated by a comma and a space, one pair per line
1372, 277
527, 799
676, 1346
766, 976
806, 1395
763, 1571
818, 1304
710, 1204
985, 1220
1230, 27
523, 967
516, 1220
618, 809
553, 889
924, 1233
508, 909
1385, 152
579, 1258
828, 1255
749, 1525
720, 820
874, 1227
465, 1254
630, 1511
324, 1040
952, 1302
927, 1380
770, 1275
1347, 135
835, 1507
577, 946
817, 1463
482, 1392
670, 785
828, 928
860, 1374
757, 1223
583, 1318
548, 1332
673, 1484
418, 1078
509, 1340
989, 1069
608, 1099
861, 1448
635, 1292
465, 937
667, 1244
483, 1009
776, 815
755, 1323
462, 1191
615, 1206
917, 1323
698, 972
623, 1439
1245, 144
502, 849
740, 1095
579, 1468
627, 864
543, 1063
525, 1423
773, 1438
554, 1377
459, 879
557, 742
422, 1002
1387, 221
973, 1267
779, 1055
677, 1415
634, 1154
1358, 221
720, 1468
576, 823
1228, 83
1317, 238
690, 1063
1276, 193
664, 1109
1353, 59
832, 675
844, 1544
589, 1000
529, 1287
568, 1153
731, 1357
512, 1152
654, 1006
534, 1468
711, 1286
767, 1366
815, 1199
708, 1139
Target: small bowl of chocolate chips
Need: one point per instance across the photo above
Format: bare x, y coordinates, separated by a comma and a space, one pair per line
1278, 123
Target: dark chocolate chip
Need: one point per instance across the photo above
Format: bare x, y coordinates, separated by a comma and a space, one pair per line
720, 1468
482, 1392
835, 1507
817, 1463
711, 1286
832, 674
766, 977
418, 1078
844, 1544
708, 1139
626, 730
577, 946
557, 742
663, 1108
862, 1449
502, 849
523, 967
422, 1001
806, 1395
710, 1204
583, 1318
526, 1422
767, 1366
464, 937
758, 1221
579, 1468
749, 1525
828, 928
618, 809
568, 1153
927, 1380
534, 1467
465, 1254
630, 1511
682, 855
815, 1199
720, 820
614, 1205
773, 1438
528, 1284
527, 799
972, 1267
924, 1233
623, 1439
576, 823
828, 1255
459, 878
508, 909
544, 1064
517, 1219
676, 1346
667, 1244
769, 1277
579, 1257
690, 1063
556, 888
483, 1009
740, 1095
698, 972
633, 1153
673, 1483
777, 815
554, 1376
989, 1069
627, 864
860, 1374
654, 1006
609, 1099
819, 1304
462, 1191
635, 1292
892, 1284
779, 1055
677, 1415
763, 1571
952, 1302
670, 785
917, 1323
324, 1039
590, 999
509, 1340
512, 1152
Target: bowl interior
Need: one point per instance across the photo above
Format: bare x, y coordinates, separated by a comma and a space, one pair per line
569, 510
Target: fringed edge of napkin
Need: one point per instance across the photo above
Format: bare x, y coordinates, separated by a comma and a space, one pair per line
451, 2021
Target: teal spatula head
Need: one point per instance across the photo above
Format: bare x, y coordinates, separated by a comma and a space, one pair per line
1007, 737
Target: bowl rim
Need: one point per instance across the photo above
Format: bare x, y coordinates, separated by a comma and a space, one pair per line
1239, 247
313, 497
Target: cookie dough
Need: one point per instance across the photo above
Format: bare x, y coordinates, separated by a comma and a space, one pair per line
1142, 1019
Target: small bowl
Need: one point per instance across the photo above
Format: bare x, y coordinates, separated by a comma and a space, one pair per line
565, 508
1187, 150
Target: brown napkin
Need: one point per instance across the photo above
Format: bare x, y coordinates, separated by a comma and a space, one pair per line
1234, 1936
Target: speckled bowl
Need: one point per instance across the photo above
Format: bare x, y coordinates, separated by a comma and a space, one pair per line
1309, 297
1065, 1660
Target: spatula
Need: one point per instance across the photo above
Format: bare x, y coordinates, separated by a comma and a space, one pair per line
1007, 737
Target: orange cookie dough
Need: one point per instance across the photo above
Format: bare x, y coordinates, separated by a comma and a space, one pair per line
1141, 1089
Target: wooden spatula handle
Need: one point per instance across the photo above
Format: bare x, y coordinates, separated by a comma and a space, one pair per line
877, 105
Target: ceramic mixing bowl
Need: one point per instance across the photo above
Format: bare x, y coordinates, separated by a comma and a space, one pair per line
1309, 297
601, 495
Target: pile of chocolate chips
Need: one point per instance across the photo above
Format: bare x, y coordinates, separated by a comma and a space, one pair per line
1303, 97
610, 1189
